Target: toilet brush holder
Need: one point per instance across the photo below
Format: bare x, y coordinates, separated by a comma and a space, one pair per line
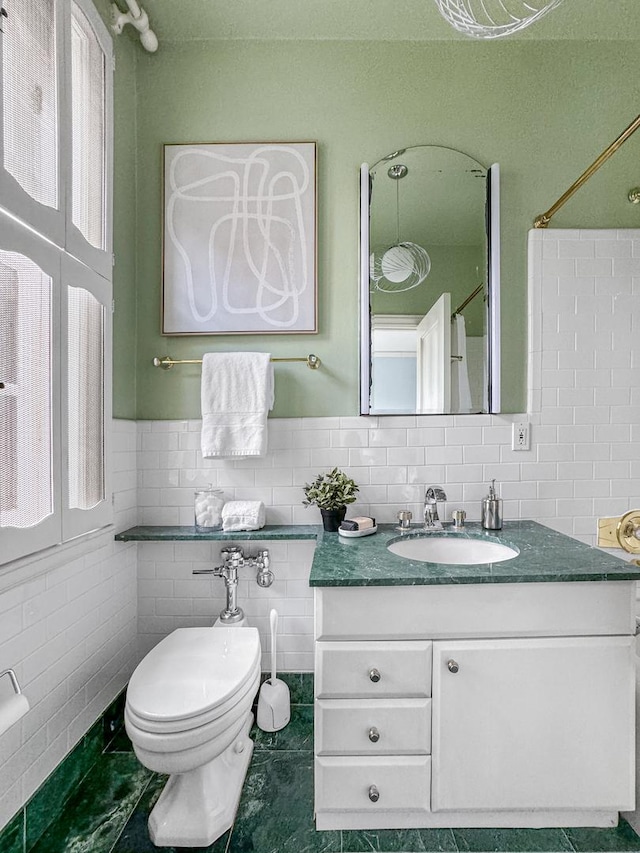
274, 702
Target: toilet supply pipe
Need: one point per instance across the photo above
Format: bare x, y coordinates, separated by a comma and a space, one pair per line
274, 702
12, 709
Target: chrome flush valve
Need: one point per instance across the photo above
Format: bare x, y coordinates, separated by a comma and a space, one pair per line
233, 558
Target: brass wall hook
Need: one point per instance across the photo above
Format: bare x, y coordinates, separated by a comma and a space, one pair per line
634, 195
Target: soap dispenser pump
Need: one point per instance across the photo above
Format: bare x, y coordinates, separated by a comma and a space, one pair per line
492, 509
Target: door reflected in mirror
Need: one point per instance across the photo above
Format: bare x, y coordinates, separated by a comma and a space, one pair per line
429, 284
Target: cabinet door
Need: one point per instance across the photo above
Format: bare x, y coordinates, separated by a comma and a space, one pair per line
533, 724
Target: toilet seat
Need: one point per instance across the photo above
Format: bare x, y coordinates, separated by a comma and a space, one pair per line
192, 677
196, 728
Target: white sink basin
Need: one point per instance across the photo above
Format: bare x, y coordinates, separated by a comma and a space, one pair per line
457, 551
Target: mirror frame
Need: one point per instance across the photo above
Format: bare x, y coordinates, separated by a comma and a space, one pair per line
493, 290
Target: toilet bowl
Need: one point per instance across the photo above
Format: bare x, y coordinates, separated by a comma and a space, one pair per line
188, 714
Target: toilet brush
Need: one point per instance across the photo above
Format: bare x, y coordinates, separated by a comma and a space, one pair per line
274, 705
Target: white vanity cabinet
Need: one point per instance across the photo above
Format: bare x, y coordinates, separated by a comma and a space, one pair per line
535, 723
474, 705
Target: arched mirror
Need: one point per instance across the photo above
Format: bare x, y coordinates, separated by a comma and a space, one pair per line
429, 284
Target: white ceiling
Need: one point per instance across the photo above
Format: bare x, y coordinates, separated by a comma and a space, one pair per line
385, 20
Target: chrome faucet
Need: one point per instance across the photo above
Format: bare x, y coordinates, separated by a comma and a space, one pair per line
431, 498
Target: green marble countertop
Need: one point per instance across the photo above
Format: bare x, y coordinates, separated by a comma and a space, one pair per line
165, 533
545, 556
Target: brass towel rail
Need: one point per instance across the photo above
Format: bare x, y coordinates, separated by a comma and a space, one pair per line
467, 300
543, 220
312, 361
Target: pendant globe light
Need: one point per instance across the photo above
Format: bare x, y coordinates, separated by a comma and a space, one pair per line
491, 19
403, 265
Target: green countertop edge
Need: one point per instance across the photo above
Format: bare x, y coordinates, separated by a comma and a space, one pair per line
184, 533
545, 556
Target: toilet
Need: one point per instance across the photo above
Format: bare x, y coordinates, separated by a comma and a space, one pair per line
188, 714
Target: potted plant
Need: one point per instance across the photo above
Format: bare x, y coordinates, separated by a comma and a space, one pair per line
331, 492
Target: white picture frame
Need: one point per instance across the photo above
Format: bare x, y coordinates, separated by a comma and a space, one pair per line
239, 239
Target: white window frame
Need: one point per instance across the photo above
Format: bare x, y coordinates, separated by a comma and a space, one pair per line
49, 238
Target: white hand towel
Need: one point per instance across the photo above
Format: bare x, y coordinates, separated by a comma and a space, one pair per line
460, 388
243, 515
236, 396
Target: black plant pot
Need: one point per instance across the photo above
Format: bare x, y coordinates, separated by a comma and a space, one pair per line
331, 518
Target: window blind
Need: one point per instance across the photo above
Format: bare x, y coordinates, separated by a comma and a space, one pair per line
26, 496
29, 100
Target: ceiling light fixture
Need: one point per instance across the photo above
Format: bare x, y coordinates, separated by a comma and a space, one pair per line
491, 19
403, 265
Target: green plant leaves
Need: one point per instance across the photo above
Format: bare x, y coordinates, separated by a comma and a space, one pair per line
330, 491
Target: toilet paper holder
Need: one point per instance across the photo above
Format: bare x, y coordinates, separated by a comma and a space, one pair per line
13, 679
621, 532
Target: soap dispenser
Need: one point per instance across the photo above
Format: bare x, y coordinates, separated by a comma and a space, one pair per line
492, 509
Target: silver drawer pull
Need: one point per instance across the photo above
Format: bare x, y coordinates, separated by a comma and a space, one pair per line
453, 666
374, 675
374, 734
374, 794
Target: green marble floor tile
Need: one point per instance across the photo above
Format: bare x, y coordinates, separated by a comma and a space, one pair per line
50, 799
119, 742
511, 840
99, 809
590, 840
296, 735
276, 808
135, 836
12, 836
438, 840
398, 841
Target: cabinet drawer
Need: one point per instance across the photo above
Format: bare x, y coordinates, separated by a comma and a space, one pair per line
403, 783
458, 611
373, 726
373, 670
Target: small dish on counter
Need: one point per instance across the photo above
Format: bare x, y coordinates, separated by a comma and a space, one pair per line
352, 534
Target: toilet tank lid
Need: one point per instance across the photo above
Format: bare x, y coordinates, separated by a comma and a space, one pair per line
192, 671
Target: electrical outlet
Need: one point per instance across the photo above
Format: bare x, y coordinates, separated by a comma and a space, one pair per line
520, 437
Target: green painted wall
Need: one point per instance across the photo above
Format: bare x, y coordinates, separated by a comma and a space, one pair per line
543, 110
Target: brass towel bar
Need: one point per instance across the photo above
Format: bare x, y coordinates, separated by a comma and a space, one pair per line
543, 220
312, 361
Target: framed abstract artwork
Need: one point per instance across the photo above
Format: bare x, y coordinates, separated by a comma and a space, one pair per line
239, 242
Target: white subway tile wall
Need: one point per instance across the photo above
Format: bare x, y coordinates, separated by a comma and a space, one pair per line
170, 596
68, 628
584, 461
